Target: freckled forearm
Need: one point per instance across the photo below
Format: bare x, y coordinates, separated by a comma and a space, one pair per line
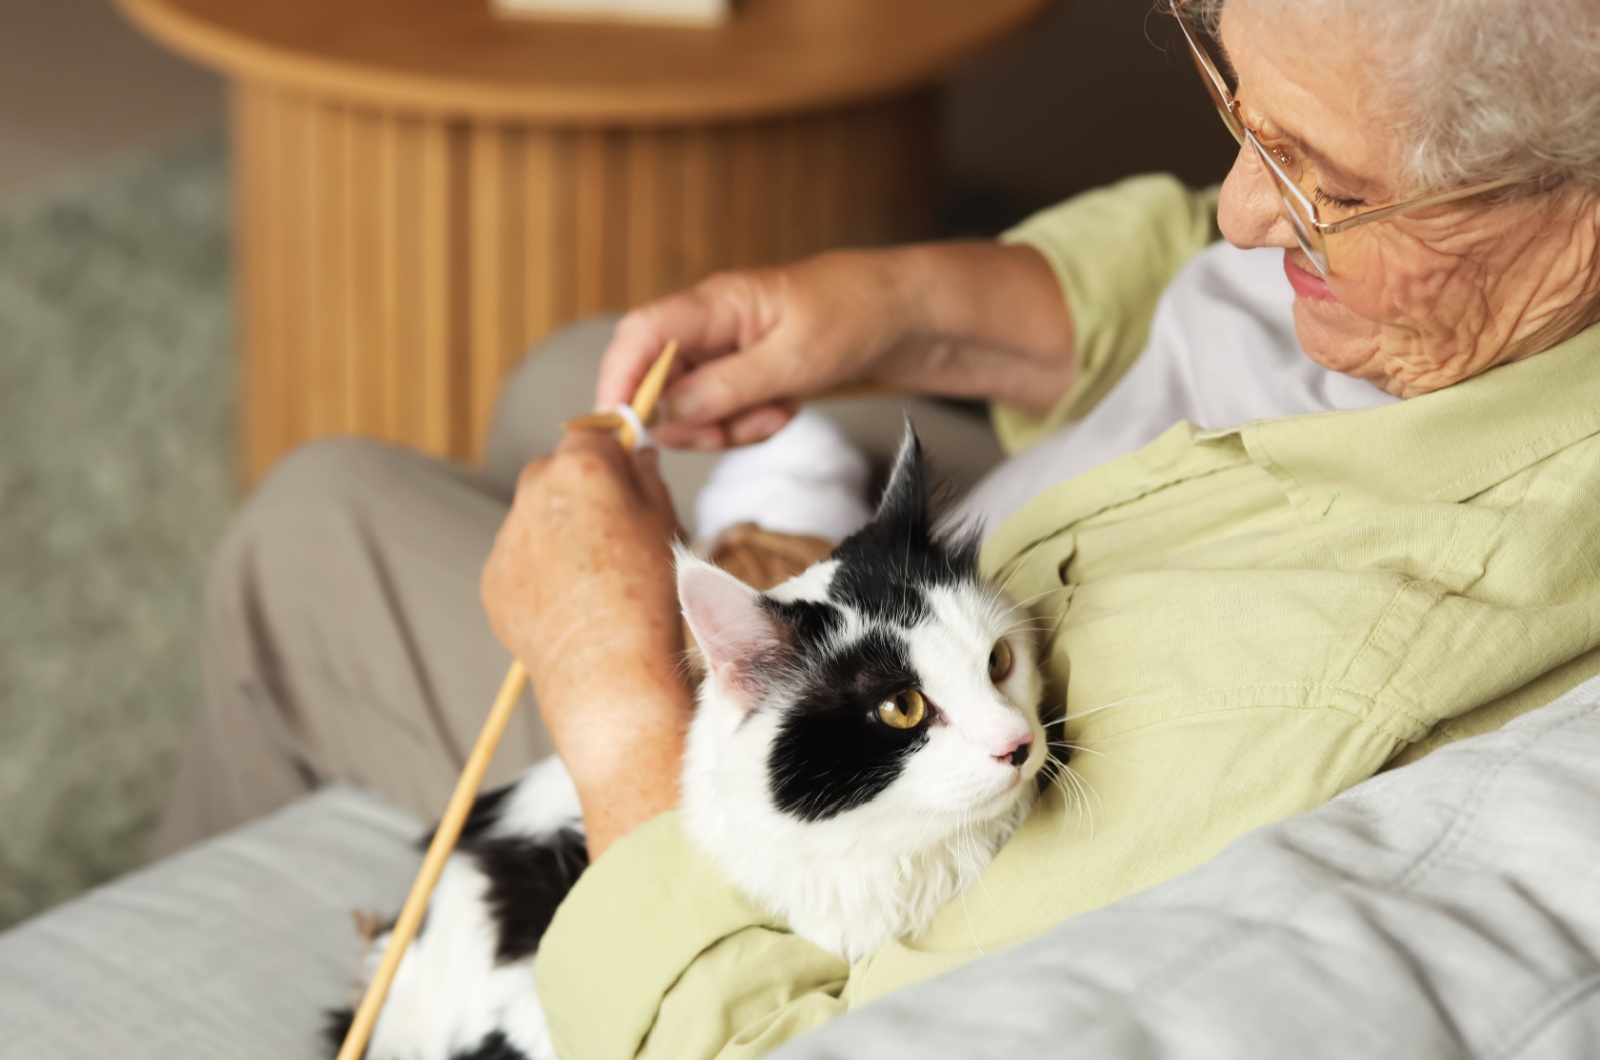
580, 587
993, 320
631, 765
647, 791
621, 733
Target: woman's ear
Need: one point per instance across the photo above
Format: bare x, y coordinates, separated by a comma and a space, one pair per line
732, 628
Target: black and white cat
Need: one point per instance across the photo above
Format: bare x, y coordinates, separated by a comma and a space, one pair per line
866, 738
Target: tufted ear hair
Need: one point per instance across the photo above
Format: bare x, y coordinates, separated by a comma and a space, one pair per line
732, 628
904, 538
903, 510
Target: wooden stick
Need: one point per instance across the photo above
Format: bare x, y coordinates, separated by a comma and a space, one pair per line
610, 421
455, 814
444, 840
649, 392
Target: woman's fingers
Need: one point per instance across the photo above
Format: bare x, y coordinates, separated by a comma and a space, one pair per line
690, 436
722, 390
706, 321
755, 338
759, 424
746, 428
634, 346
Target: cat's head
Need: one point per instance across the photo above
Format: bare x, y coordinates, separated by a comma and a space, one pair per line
889, 683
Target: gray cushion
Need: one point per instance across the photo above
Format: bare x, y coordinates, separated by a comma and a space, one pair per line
230, 950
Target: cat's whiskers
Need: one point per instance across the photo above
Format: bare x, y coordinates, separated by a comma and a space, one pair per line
1029, 621
979, 861
1012, 619
1087, 750
1090, 791
967, 913
1040, 595
972, 931
1081, 801
916, 848
1084, 782
1076, 714
1069, 797
1080, 787
1023, 562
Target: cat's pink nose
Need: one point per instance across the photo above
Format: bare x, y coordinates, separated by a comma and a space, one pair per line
1017, 753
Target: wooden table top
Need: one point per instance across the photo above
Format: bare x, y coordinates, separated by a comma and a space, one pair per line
458, 56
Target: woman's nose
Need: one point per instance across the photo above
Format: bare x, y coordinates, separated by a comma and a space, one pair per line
1250, 212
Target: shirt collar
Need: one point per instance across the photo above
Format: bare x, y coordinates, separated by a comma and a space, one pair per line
1445, 446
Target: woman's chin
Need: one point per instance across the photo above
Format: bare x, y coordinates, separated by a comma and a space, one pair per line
1337, 339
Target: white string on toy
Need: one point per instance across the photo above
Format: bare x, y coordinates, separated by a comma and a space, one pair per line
641, 433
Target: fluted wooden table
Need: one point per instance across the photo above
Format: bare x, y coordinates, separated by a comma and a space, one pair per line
424, 188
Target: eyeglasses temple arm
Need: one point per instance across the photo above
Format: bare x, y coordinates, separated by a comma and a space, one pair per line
1381, 212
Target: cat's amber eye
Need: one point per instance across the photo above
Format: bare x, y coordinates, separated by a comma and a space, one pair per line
999, 661
904, 711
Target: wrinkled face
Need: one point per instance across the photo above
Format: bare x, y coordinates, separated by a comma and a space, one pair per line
1416, 302
887, 683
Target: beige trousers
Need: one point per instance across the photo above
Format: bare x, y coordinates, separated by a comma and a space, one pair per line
343, 637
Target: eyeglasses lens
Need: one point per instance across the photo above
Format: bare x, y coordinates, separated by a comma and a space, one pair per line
1313, 242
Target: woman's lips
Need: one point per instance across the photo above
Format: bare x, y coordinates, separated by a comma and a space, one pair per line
1306, 284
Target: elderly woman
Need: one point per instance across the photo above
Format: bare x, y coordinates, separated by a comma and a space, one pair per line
1275, 563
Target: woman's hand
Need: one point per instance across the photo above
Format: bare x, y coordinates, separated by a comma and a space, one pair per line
976, 319
580, 586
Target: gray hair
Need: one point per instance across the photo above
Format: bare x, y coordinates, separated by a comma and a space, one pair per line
1488, 88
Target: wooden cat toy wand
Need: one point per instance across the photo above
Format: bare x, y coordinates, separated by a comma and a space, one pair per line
455, 814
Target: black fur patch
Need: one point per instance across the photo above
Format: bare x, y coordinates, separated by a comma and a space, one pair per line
812, 622
831, 753
527, 878
336, 1028
885, 566
486, 810
494, 1046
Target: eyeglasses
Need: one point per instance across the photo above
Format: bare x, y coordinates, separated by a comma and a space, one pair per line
1310, 231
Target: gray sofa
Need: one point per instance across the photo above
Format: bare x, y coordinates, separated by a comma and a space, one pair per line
1451, 908
230, 950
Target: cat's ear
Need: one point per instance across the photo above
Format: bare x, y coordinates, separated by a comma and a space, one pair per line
905, 503
732, 628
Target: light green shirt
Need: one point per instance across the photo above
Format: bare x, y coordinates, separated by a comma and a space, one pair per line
1246, 622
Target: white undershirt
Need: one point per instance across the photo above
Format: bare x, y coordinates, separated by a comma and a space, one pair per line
1222, 352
